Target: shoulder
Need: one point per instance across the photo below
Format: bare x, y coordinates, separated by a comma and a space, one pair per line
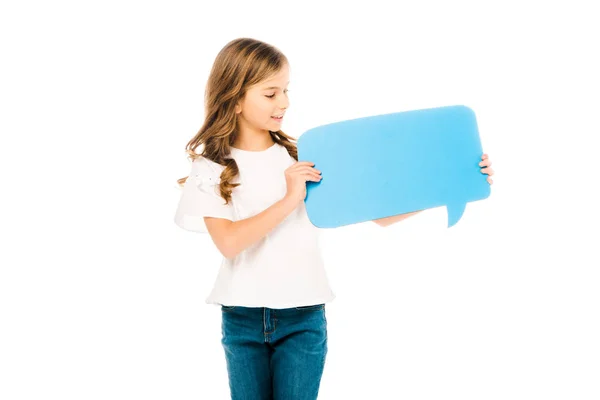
285, 155
204, 166
206, 172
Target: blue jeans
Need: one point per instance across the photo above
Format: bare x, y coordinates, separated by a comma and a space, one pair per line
274, 354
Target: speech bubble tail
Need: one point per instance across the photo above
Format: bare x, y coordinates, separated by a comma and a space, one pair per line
455, 212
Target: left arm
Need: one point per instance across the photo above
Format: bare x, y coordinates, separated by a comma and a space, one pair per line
486, 163
394, 218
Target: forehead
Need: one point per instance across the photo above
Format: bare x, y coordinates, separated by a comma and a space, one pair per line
272, 85
276, 81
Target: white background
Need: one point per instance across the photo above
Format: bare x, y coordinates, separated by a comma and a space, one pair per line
102, 295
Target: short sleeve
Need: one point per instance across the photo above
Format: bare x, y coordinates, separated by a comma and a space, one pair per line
200, 197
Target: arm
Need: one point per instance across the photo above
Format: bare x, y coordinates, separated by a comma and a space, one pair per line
233, 237
394, 218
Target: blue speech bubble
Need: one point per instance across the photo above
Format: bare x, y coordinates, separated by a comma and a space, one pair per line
384, 165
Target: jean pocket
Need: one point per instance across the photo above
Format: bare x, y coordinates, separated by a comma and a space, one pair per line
315, 307
227, 308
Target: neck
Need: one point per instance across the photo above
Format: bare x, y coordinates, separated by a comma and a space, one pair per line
253, 141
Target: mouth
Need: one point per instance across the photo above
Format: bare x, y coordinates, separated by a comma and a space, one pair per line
278, 118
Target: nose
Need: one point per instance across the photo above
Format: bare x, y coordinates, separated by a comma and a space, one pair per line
284, 104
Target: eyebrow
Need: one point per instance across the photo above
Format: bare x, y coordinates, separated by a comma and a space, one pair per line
273, 87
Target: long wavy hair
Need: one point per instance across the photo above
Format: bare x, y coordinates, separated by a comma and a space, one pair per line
240, 64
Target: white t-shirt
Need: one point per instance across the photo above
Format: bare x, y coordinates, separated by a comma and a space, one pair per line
283, 269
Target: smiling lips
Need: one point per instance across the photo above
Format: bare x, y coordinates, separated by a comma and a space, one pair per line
279, 118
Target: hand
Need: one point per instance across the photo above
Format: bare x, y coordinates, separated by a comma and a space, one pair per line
487, 170
296, 177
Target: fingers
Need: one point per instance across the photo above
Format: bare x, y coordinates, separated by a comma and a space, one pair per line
312, 177
487, 170
308, 169
302, 164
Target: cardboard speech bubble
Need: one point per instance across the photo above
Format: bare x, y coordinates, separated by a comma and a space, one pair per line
384, 165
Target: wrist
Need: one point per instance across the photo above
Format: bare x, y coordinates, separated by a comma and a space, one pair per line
288, 202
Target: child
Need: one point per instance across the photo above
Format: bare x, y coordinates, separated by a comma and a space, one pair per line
247, 190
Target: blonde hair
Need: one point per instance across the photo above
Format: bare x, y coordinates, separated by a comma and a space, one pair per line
240, 64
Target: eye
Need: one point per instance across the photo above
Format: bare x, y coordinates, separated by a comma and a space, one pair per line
273, 95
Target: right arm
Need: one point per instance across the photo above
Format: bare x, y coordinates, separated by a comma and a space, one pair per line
232, 237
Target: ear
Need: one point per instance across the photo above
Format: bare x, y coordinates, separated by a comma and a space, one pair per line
238, 108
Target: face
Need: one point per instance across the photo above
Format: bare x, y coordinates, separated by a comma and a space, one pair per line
264, 101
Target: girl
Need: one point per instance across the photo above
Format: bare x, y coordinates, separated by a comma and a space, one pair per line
246, 189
